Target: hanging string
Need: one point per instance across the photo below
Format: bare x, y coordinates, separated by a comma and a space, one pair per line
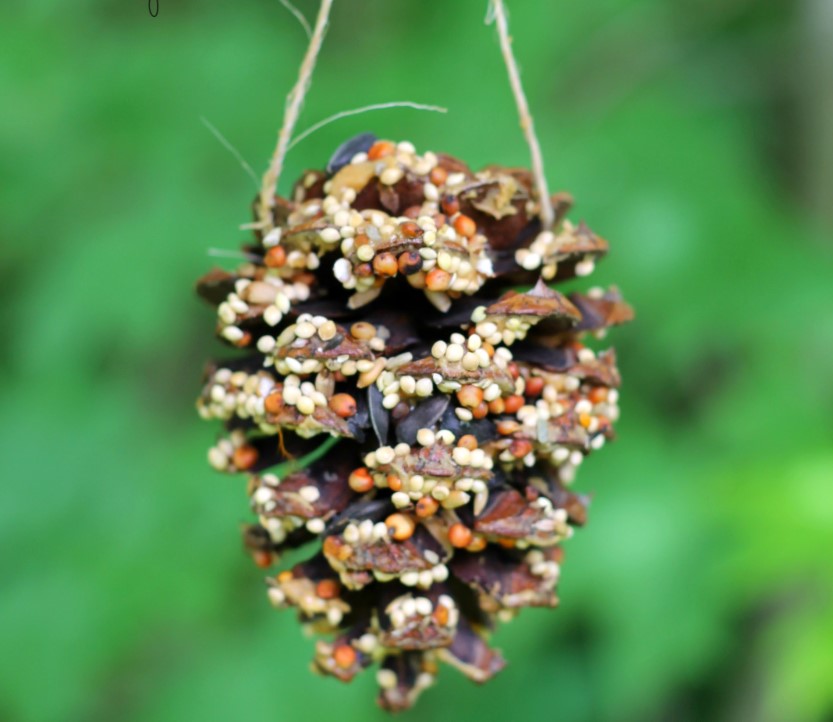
497, 13
294, 101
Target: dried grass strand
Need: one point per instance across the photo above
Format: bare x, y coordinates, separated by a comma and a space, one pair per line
231, 253
299, 16
231, 149
364, 109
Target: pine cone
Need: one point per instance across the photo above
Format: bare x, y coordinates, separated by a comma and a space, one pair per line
380, 311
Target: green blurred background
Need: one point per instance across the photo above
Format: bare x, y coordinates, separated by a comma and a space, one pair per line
697, 136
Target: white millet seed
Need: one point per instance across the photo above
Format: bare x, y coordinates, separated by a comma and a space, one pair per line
425, 437
309, 494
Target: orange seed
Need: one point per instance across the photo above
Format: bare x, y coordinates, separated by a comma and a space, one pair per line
394, 482
344, 656
273, 403
245, 456
459, 535
513, 403
520, 448
470, 396
262, 558
275, 257
410, 229
480, 411
478, 544
437, 280
497, 406
468, 441
438, 175
344, 405
427, 506
450, 204
360, 480
385, 264
597, 394
327, 589
380, 149
401, 526
534, 386
465, 226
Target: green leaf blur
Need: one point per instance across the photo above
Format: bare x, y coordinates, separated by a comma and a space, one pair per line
695, 136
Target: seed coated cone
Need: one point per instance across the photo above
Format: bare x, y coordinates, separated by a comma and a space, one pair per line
401, 313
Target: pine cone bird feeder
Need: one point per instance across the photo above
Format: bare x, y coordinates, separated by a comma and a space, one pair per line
401, 305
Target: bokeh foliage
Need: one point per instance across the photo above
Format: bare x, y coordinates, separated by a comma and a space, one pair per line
689, 133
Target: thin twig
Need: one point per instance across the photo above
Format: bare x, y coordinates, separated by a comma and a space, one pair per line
293, 107
355, 111
497, 13
229, 147
298, 15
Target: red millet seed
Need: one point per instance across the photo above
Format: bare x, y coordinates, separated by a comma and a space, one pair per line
450, 205
327, 589
497, 406
394, 482
380, 149
478, 544
437, 280
401, 526
438, 175
459, 535
273, 403
534, 386
465, 226
344, 656
520, 448
480, 411
410, 229
275, 257
343, 405
441, 615
385, 264
597, 395
513, 403
360, 480
262, 558
470, 396
245, 457
427, 506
